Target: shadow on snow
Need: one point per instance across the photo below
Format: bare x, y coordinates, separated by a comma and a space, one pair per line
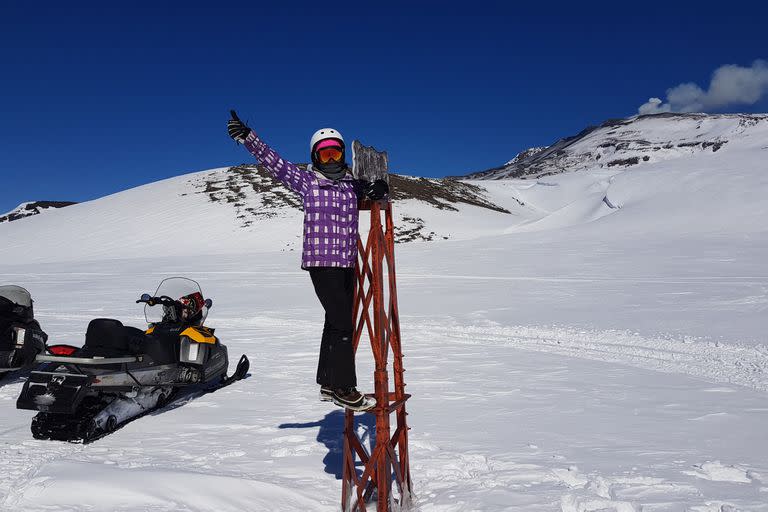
331, 435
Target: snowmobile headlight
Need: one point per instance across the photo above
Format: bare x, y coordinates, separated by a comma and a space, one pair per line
21, 335
192, 352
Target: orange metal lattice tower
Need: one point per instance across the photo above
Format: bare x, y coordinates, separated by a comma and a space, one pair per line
375, 311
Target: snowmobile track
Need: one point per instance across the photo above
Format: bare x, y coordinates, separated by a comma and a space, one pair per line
177, 399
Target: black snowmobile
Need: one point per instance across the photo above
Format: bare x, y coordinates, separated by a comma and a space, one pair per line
122, 372
21, 338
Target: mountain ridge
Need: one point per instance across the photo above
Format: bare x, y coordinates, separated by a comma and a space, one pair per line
30, 208
627, 142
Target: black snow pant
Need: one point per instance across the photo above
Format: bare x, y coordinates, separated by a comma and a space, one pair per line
335, 287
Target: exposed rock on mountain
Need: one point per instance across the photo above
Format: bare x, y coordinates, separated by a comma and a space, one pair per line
255, 194
33, 208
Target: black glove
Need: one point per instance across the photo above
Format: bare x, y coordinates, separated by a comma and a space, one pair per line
376, 190
237, 129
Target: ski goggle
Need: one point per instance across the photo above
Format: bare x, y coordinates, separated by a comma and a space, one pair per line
330, 154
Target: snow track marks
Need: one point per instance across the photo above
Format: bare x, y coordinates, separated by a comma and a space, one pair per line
714, 361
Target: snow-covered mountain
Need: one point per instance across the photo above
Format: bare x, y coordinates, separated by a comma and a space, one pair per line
624, 143
33, 208
254, 195
238, 209
648, 163
588, 338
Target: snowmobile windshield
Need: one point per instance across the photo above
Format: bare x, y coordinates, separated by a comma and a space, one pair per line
16, 295
15, 302
175, 288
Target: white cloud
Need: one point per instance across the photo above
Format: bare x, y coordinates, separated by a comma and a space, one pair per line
731, 85
653, 106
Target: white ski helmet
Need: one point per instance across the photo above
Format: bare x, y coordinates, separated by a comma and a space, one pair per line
323, 134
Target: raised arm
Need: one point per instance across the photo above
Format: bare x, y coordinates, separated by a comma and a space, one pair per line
283, 170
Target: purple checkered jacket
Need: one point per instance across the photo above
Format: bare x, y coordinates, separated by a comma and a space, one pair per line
330, 208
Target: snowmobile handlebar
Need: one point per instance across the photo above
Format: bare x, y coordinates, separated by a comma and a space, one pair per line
162, 300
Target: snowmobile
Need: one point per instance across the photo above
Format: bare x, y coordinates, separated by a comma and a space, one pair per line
21, 338
122, 373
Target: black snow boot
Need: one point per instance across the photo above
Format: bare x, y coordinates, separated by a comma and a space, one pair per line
351, 398
326, 394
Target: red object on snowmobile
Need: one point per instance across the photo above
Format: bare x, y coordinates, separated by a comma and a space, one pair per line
62, 350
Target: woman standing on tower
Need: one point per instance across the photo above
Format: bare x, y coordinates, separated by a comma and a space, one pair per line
330, 195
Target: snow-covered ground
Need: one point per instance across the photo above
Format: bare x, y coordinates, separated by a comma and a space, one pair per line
508, 412
602, 347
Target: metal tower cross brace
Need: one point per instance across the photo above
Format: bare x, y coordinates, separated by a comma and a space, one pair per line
375, 312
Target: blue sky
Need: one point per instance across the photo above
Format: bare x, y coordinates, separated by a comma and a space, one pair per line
97, 98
